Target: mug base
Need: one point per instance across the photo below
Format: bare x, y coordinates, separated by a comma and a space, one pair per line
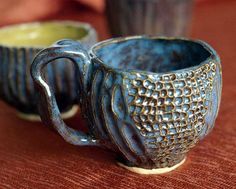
36, 118
143, 171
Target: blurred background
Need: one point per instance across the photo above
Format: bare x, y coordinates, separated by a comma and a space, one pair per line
93, 12
18, 11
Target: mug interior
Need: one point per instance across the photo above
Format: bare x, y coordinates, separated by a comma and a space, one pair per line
40, 34
154, 55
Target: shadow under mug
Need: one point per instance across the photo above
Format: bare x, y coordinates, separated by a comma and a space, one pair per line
148, 99
19, 44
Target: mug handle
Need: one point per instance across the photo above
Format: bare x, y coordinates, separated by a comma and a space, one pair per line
50, 113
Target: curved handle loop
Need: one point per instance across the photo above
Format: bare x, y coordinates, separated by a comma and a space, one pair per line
50, 113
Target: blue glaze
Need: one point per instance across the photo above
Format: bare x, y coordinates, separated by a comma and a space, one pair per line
157, 55
148, 99
214, 103
16, 85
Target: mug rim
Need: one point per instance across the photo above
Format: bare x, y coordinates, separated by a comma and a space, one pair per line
213, 57
91, 32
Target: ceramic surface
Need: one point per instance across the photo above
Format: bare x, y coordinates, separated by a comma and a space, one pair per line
18, 46
148, 99
152, 17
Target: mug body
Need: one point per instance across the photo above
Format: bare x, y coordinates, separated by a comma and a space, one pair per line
152, 17
152, 99
19, 44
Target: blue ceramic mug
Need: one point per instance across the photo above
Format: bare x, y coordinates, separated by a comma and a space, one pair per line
148, 99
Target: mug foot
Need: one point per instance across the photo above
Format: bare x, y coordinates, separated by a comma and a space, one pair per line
151, 171
36, 118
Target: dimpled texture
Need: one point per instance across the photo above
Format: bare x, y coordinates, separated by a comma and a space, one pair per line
162, 98
173, 111
152, 120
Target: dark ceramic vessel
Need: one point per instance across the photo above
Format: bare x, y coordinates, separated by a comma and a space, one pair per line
18, 46
152, 17
148, 99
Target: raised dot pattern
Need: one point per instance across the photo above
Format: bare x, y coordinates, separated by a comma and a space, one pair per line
169, 110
